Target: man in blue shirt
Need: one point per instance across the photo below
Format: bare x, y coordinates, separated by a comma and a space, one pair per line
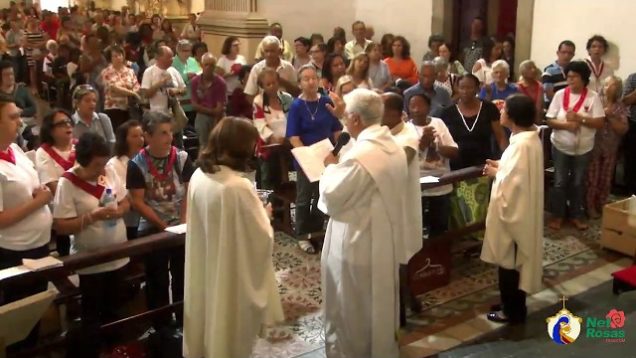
553, 77
440, 98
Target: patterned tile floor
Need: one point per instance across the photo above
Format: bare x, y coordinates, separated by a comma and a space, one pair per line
568, 254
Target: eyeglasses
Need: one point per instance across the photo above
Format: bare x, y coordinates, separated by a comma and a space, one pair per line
64, 123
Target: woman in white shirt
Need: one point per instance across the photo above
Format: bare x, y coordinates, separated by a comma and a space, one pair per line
90, 204
56, 155
574, 115
492, 51
230, 64
130, 140
25, 218
270, 119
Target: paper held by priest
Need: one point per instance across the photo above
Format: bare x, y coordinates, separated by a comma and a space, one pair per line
429, 179
312, 158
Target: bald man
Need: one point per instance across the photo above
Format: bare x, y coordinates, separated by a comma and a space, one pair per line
161, 80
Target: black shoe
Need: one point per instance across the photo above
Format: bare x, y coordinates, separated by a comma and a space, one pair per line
496, 307
497, 316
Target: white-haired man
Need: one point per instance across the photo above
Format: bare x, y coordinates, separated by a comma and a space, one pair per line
286, 51
364, 195
286, 71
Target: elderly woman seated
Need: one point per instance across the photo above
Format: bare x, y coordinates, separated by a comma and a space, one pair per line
445, 79
499, 89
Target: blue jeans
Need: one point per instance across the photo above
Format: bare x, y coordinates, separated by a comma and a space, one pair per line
568, 191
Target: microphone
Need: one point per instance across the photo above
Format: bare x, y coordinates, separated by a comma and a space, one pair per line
342, 141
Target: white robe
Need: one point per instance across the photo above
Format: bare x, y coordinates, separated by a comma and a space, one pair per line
405, 135
230, 287
515, 213
363, 195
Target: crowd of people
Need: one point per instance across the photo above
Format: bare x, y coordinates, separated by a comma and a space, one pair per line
109, 164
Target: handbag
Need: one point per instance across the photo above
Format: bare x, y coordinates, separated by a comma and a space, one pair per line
179, 118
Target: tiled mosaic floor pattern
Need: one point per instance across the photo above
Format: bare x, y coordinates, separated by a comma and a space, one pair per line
568, 254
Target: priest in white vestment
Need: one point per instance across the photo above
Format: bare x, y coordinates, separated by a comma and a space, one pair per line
514, 224
230, 287
364, 194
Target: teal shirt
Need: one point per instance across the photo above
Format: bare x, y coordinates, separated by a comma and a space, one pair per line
190, 66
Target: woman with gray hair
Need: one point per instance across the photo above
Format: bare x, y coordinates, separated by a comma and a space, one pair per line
499, 89
444, 78
530, 86
86, 118
311, 119
188, 67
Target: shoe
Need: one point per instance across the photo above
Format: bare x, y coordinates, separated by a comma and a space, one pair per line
579, 225
555, 224
496, 307
497, 316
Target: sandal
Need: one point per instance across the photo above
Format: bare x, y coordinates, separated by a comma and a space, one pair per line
306, 246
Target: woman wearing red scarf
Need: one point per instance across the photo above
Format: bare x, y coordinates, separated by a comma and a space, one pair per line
56, 155
574, 116
25, 218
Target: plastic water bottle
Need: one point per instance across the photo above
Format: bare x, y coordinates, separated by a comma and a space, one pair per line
108, 201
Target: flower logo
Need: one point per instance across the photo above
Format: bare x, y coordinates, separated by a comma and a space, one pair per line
617, 318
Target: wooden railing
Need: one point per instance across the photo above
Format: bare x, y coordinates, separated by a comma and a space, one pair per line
163, 241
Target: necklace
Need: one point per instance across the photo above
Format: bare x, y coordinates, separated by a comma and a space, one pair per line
313, 115
470, 130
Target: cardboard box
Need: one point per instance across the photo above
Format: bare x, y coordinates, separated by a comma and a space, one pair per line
618, 231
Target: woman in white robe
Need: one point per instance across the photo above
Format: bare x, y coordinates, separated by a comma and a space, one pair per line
230, 287
514, 224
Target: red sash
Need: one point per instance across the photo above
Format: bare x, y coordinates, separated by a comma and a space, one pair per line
167, 169
597, 73
579, 103
65, 164
94, 190
8, 156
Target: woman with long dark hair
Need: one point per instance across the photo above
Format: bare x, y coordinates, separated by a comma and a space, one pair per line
332, 70
230, 63
130, 140
401, 65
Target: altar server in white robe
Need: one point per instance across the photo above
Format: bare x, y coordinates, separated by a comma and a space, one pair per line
230, 287
405, 135
514, 224
364, 196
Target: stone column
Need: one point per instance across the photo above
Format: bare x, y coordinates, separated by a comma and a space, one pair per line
223, 18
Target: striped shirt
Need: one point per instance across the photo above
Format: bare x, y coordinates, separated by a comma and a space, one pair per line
553, 77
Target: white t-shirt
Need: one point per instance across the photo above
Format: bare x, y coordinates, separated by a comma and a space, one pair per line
120, 166
154, 74
441, 165
231, 82
71, 202
582, 141
407, 136
17, 183
484, 73
285, 70
48, 169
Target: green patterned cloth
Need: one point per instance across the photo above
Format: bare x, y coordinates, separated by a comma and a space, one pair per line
469, 202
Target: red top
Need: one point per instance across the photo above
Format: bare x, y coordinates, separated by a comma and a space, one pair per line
51, 27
